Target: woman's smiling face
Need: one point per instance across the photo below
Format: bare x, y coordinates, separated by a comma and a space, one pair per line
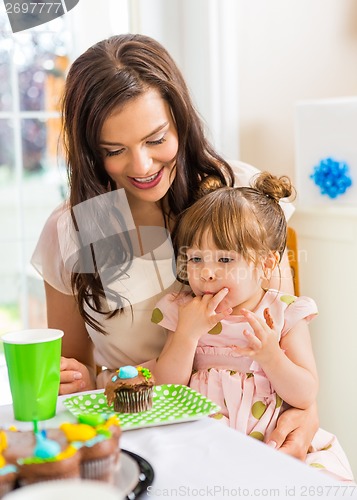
140, 145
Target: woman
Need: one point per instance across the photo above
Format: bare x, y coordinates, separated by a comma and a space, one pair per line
136, 154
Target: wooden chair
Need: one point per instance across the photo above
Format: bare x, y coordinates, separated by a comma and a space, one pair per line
293, 256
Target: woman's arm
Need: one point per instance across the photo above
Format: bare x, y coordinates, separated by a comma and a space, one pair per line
77, 363
290, 366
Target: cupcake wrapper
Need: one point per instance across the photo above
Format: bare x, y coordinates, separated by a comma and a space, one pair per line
6, 487
44, 479
133, 402
102, 469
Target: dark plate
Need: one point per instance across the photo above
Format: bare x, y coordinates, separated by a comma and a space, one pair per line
134, 475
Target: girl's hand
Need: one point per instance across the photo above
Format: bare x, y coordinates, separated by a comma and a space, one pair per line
263, 344
75, 377
103, 378
199, 315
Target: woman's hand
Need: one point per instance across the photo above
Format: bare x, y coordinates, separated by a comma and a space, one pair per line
75, 377
294, 431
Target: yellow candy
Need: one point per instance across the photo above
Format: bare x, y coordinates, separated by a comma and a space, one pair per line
68, 452
2, 461
78, 432
3, 441
113, 420
12, 428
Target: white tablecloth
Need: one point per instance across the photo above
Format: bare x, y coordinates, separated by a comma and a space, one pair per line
205, 459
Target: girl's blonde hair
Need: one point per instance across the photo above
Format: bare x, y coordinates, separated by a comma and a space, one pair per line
248, 220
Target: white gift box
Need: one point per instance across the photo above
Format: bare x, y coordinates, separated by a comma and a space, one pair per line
325, 131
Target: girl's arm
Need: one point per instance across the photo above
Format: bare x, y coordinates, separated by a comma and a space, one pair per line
77, 363
292, 373
197, 317
174, 365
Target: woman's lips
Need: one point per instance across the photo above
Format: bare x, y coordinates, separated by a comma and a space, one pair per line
147, 182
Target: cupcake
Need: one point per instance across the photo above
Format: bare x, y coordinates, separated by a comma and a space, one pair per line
98, 444
8, 476
48, 462
130, 389
8, 472
21, 444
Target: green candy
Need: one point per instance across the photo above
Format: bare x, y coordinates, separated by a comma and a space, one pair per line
92, 419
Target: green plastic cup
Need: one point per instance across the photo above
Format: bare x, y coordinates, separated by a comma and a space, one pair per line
33, 364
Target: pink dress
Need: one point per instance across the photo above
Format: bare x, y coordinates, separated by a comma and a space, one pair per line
239, 386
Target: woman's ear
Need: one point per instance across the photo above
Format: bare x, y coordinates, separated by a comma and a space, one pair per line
269, 264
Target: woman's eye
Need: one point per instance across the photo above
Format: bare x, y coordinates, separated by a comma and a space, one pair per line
114, 153
158, 141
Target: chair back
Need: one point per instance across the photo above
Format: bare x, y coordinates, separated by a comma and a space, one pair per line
293, 256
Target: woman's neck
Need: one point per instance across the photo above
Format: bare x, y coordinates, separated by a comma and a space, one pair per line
146, 213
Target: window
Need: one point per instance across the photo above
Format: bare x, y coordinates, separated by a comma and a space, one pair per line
33, 65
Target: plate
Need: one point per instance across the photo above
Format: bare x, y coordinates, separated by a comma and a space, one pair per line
172, 404
133, 476
70, 489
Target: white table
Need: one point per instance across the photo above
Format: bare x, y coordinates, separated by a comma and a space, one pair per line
205, 459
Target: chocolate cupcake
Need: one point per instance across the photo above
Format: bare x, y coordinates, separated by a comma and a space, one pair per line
130, 389
8, 476
8, 472
98, 444
39, 467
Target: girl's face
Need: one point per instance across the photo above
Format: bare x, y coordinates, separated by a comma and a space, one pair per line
140, 145
210, 269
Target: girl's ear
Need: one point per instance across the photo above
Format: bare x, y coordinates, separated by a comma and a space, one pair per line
269, 263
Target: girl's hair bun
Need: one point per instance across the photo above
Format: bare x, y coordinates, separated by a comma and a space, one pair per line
273, 187
208, 184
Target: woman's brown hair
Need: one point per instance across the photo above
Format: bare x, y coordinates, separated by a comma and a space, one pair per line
104, 78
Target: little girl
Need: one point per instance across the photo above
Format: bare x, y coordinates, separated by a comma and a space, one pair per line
244, 346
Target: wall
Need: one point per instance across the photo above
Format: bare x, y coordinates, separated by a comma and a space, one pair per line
202, 38
290, 50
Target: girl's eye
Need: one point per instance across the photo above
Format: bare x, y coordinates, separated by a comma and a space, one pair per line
155, 143
194, 259
114, 153
225, 260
